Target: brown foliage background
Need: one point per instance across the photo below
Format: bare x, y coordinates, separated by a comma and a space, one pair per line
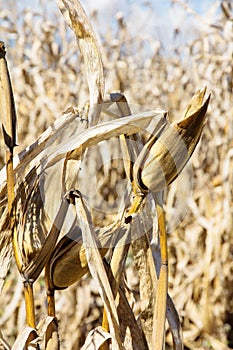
48, 76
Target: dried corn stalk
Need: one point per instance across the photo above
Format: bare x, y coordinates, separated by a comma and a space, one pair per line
63, 177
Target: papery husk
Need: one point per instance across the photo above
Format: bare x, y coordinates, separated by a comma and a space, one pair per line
8, 121
7, 105
69, 265
166, 158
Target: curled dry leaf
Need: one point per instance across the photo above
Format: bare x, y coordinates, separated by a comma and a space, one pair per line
48, 329
26, 339
95, 338
174, 324
127, 125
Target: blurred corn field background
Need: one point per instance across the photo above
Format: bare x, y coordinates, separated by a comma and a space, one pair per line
48, 76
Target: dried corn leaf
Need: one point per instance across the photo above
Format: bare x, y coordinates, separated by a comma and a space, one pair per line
65, 137
78, 21
28, 158
27, 339
174, 324
95, 338
215, 343
3, 342
6, 253
131, 333
127, 125
97, 270
48, 329
52, 336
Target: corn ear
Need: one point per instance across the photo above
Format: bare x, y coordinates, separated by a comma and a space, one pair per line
7, 105
163, 161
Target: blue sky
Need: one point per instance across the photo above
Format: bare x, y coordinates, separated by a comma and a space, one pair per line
159, 18
154, 18
109, 7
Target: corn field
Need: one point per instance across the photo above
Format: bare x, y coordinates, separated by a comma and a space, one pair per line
111, 238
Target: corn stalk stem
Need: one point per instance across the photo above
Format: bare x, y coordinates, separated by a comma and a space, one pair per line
52, 336
162, 234
162, 289
105, 326
29, 302
51, 303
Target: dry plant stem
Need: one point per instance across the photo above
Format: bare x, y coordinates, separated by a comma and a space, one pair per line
115, 275
161, 297
29, 302
52, 336
8, 118
105, 326
51, 303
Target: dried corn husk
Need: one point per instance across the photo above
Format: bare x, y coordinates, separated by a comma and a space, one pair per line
164, 156
7, 105
69, 262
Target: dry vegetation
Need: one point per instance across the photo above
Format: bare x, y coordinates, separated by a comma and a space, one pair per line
48, 76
